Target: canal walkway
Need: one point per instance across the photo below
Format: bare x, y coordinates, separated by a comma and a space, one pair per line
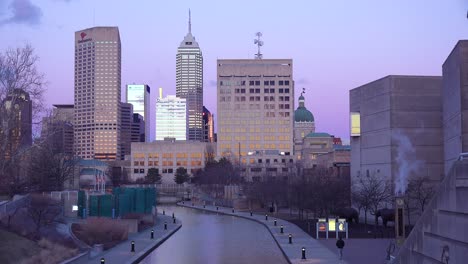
315, 252
144, 245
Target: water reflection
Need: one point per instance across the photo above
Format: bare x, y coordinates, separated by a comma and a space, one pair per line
207, 238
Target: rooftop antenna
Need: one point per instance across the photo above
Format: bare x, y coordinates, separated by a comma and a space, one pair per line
303, 91
259, 43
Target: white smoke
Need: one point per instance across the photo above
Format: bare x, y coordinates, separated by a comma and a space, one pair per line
406, 161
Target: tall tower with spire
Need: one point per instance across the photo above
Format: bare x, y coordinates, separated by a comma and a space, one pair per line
189, 82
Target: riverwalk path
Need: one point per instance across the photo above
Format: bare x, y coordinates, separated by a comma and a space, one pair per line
315, 252
144, 245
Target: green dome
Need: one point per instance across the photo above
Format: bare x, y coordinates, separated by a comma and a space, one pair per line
302, 114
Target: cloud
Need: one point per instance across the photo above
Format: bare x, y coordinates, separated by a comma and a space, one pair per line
23, 12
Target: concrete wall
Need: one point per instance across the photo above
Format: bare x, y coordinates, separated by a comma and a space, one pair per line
455, 85
442, 225
409, 106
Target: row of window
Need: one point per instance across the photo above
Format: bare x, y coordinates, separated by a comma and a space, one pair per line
253, 83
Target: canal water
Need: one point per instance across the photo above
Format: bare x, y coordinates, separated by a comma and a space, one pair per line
209, 238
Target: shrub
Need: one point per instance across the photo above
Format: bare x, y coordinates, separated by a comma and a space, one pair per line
101, 231
51, 253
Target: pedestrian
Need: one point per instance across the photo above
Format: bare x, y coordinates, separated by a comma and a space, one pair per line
340, 245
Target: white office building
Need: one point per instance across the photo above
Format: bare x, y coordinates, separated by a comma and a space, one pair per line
171, 118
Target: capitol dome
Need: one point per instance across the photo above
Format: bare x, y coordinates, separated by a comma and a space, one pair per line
302, 114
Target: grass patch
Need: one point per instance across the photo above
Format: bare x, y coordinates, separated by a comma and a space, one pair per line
14, 248
101, 231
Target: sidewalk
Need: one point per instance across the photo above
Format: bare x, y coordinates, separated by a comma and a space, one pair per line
143, 244
315, 251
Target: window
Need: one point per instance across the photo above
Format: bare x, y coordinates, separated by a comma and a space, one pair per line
256, 169
259, 160
135, 170
281, 90
251, 82
266, 90
281, 83
266, 83
272, 90
251, 90
257, 90
267, 160
272, 82
286, 82
170, 170
286, 90
142, 170
284, 169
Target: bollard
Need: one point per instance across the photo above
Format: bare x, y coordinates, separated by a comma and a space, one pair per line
303, 253
203, 206
152, 234
133, 247
290, 239
113, 213
173, 216
164, 212
183, 202
103, 261
165, 225
250, 213
275, 222
173, 220
232, 210
281, 229
193, 204
266, 217
217, 208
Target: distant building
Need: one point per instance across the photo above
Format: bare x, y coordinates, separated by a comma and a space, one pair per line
138, 129
304, 124
189, 83
267, 165
171, 118
126, 126
167, 155
313, 145
97, 93
337, 141
255, 106
17, 113
208, 125
57, 129
139, 96
396, 129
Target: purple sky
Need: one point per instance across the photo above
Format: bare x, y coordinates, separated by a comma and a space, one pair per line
335, 45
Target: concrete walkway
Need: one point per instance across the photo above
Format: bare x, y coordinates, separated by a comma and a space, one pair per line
143, 244
315, 251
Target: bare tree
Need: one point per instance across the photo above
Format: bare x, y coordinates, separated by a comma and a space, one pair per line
43, 210
370, 193
420, 191
18, 76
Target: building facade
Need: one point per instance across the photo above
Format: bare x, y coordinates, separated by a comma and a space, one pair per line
97, 93
126, 120
267, 165
208, 125
313, 145
396, 129
17, 116
138, 129
168, 155
455, 103
171, 118
139, 96
255, 106
58, 129
189, 83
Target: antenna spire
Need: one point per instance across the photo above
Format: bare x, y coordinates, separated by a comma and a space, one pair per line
259, 43
189, 22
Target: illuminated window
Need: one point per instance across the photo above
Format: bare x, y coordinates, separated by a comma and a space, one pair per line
355, 124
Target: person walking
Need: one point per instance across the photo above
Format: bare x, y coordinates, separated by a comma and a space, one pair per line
340, 245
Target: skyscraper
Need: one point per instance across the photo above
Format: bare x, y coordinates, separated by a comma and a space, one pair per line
208, 125
126, 119
171, 116
255, 106
97, 93
189, 82
17, 117
57, 129
139, 96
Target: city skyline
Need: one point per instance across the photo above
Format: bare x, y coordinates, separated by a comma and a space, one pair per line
339, 51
